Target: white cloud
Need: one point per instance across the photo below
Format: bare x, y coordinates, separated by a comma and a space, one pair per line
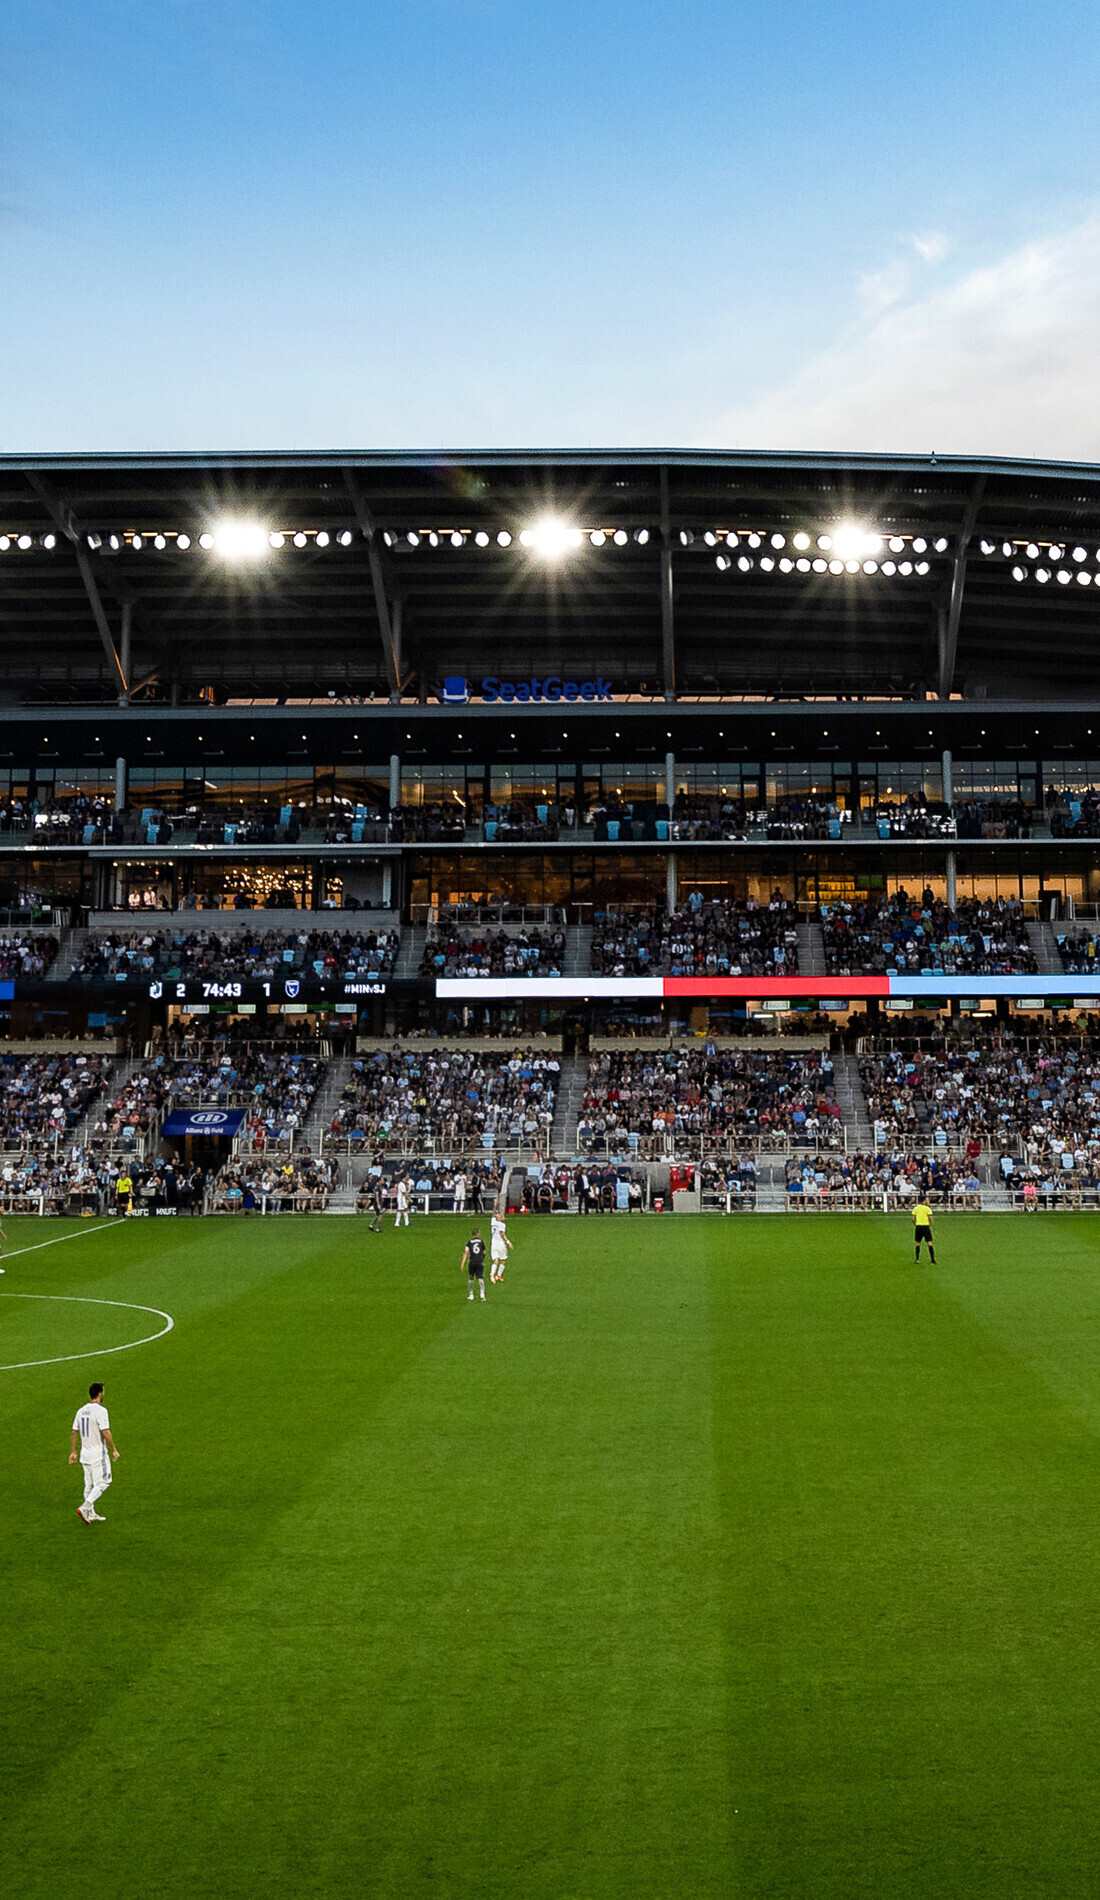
1001, 359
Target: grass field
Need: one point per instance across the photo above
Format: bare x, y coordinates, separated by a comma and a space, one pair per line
707, 1557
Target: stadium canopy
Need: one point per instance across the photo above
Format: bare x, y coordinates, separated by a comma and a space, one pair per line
692, 576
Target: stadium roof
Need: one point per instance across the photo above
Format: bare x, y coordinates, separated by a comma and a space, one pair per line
940, 575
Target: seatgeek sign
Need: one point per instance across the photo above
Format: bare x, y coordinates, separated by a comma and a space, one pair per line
457, 691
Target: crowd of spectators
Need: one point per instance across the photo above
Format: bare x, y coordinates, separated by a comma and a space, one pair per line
656, 1102
719, 937
43, 1097
298, 1185
78, 1181
1079, 951
248, 955
524, 952
275, 1087
1073, 814
919, 935
24, 953
861, 1180
1043, 1100
993, 818
464, 1187
413, 1101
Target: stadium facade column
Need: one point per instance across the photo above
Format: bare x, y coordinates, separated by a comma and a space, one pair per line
120, 785
387, 884
395, 781
950, 870
948, 779
670, 880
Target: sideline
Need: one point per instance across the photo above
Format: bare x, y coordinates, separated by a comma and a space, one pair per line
103, 1227
73, 1299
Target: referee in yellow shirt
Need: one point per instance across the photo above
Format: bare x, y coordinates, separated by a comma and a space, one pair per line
922, 1230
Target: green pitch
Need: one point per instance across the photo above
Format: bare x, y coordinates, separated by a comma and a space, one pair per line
708, 1557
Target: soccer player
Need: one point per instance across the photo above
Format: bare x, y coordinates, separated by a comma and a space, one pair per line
922, 1230
124, 1189
376, 1204
402, 1213
91, 1441
499, 1248
473, 1260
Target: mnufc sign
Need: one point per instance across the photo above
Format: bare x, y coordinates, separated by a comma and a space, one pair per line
457, 691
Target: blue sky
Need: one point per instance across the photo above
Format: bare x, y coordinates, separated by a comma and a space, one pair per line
468, 223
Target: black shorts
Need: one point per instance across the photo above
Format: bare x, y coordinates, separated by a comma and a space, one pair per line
477, 1272
922, 1233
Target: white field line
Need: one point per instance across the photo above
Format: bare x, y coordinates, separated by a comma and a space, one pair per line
73, 1299
81, 1235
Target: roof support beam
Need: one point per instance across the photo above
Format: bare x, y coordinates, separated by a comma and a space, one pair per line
389, 618
64, 521
951, 616
668, 614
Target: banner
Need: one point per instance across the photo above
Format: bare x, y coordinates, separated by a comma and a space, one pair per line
203, 1121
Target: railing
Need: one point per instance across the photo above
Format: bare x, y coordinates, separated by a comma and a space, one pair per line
501, 912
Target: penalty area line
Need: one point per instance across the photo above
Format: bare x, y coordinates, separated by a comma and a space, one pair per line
75, 1299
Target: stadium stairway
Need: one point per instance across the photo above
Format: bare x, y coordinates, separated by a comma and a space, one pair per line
1045, 950
71, 942
410, 950
578, 950
567, 1105
853, 1103
996, 1198
811, 950
771, 1186
324, 1104
342, 1198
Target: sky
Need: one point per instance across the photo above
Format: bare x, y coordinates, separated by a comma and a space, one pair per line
464, 224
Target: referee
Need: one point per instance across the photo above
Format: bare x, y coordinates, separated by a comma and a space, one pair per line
922, 1231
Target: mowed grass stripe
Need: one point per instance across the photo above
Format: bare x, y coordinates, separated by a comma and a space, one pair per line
914, 1644
476, 1646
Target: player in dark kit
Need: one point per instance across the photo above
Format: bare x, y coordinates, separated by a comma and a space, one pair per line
474, 1261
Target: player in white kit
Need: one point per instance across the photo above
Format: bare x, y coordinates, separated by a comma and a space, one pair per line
499, 1248
403, 1197
94, 1447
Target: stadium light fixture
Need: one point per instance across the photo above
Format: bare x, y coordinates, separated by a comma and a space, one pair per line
237, 540
802, 542
551, 538
849, 541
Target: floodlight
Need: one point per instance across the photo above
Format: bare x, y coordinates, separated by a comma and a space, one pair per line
779, 540
870, 567
744, 563
240, 540
851, 567
159, 543
481, 538
1032, 551
786, 564
767, 563
919, 544
849, 540
299, 539
1055, 551
345, 538
1064, 576
686, 537
551, 538
5, 543
135, 543
890, 567
597, 537
711, 538
1084, 578
1019, 573
1080, 554
942, 544
897, 544
802, 541
803, 565
458, 540
641, 536
504, 539
820, 566
905, 567
275, 539
872, 544
205, 540
183, 541
433, 539
731, 541
49, 542
825, 542
321, 540
621, 537
836, 567
754, 540
95, 541
412, 538
1042, 574
922, 567
721, 562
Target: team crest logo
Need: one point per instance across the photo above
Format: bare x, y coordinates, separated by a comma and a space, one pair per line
156, 990
292, 986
